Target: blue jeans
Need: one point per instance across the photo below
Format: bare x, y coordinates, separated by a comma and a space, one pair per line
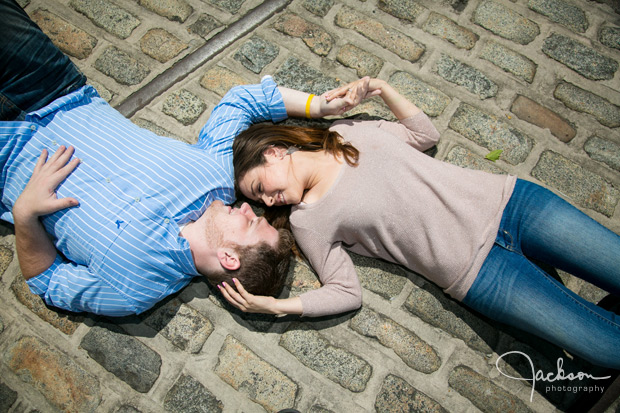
510, 288
33, 72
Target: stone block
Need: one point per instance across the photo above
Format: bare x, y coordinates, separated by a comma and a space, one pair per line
335, 363
64, 321
581, 100
403, 9
505, 22
534, 113
509, 60
70, 39
582, 186
184, 106
173, 10
123, 355
447, 29
121, 67
364, 63
204, 25
295, 74
183, 326
313, 35
257, 53
603, 150
156, 129
380, 277
561, 12
189, 395
6, 257
415, 352
388, 37
464, 75
492, 133
65, 384
434, 308
465, 158
108, 16
231, 6
249, 374
161, 45
483, 393
579, 57
396, 395
7, 397
220, 80
318, 7
428, 98
610, 37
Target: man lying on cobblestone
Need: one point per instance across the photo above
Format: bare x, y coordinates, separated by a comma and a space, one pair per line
133, 217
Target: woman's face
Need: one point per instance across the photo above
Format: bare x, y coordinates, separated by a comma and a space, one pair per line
274, 182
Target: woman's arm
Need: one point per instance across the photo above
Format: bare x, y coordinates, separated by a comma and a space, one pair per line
366, 87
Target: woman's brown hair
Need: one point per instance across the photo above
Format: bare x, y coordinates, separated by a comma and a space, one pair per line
249, 148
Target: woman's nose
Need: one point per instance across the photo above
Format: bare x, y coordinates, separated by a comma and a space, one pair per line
268, 200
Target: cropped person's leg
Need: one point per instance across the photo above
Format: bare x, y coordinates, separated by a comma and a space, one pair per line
33, 71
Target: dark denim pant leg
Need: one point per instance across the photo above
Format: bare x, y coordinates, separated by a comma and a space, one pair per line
33, 71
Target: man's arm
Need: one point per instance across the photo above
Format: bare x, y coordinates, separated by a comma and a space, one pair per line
35, 249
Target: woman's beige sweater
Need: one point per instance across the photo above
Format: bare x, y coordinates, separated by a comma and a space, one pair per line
398, 204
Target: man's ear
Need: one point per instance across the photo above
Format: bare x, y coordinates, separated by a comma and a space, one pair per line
228, 258
274, 152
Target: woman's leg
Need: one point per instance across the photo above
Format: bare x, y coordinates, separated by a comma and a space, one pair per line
33, 71
512, 289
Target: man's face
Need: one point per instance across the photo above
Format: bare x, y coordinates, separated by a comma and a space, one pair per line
239, 226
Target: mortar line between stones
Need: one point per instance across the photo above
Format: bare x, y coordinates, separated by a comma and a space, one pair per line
200, 56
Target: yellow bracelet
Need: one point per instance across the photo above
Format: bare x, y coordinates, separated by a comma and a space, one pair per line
308, 102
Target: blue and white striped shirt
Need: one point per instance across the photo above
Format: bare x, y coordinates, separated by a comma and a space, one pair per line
120, 250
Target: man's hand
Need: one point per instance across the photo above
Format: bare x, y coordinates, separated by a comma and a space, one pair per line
39, 197
35, 250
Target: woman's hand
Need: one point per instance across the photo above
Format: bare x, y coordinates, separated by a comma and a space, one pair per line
350, 95
250, 303
246, 302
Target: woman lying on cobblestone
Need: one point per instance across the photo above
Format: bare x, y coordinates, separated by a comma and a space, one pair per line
366, 186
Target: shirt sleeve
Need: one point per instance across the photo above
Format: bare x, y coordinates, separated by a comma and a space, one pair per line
341, 290
241, 107
75, 288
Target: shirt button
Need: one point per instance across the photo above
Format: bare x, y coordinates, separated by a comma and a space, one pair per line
108, 180
32, 127
137, 199
54, 143
166, 221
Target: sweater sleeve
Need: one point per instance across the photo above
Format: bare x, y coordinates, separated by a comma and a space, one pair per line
341, 290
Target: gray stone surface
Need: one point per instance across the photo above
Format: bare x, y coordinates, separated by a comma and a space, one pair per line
491, 132
556, 124
562, 12
335, 363
583, 59
123, 355
505, 22
256, 54
464, 75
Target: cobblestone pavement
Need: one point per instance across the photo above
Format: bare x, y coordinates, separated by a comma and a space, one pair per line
537, 79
